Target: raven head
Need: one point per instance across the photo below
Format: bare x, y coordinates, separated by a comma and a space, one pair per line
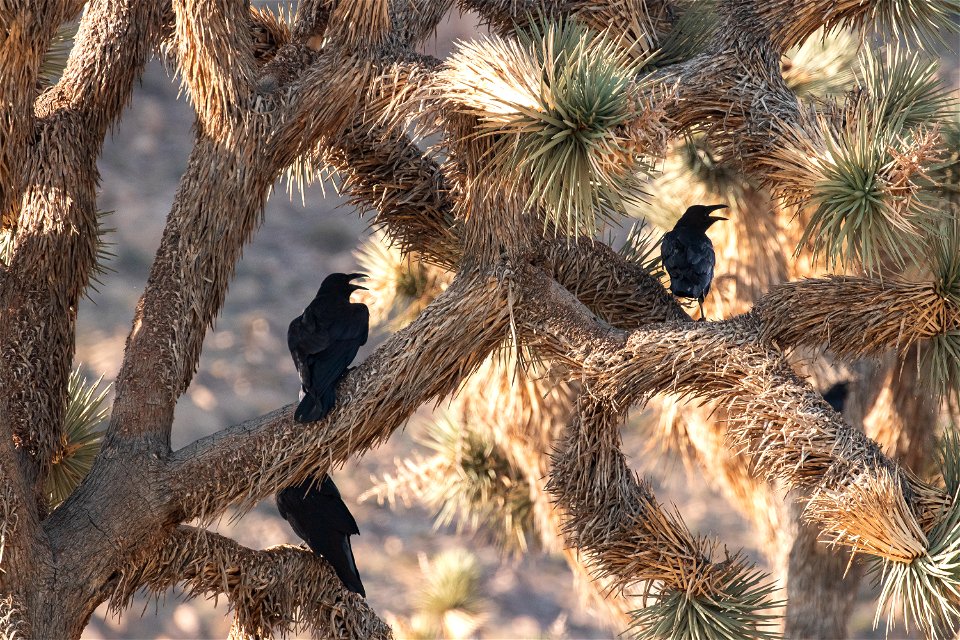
698, 216
341, 282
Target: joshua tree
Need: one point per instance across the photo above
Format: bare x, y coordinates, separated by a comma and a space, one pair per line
544, 131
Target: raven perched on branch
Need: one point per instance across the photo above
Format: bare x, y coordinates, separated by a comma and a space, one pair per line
323, 341
687, 253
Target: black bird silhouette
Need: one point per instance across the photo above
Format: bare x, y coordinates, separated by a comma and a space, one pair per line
687, 253
836, 395
323, 341
317, 514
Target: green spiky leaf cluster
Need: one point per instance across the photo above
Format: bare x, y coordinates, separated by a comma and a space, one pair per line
857, 219
738, 610
692, 31
940, 355
873, 196
927, 22
560, 124
481, 489
926, 591
903, 88
80, 443
104, 252
642, 246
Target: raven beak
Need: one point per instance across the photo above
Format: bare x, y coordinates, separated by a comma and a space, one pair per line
714, 207
354, 276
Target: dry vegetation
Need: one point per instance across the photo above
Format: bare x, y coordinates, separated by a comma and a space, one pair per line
841, 262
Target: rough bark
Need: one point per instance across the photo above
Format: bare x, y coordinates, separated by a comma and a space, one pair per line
260, 108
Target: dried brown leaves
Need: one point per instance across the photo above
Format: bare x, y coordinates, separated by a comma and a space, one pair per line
854, 317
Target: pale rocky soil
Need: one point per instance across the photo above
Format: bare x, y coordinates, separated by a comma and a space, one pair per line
246, 371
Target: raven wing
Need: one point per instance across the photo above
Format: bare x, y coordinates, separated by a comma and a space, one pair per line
689, 260
339, 516
346, 337
670, 253
303, 340
702, 259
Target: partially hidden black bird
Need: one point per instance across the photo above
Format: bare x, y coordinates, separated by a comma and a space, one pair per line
687, 253
836, 395
323, 341
317, 514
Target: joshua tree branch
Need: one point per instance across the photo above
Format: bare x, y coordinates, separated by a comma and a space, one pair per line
54, 246
216, 210
282, 589
426, 360
83, 90
812, 448
26, 30
216, 61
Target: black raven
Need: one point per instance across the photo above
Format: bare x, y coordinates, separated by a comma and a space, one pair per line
323, 341
317, 514
836, 395
687, 253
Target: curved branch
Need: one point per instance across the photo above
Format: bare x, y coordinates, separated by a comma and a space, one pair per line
278, 590
113, 43
779, 421
854, 317
54, 247
628, 537
216, 61
426, 360
216, 210
26, 30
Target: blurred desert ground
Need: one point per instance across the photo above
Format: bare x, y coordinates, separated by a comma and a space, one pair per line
246, 371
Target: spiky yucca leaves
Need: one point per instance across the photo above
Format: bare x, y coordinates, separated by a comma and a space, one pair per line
926, 22
400, 286
823, 65
681, 615
940, 359
865, 196
80, 442
642, 246
468, 480
452, 596
903, 88
690, 35
104, 252
926, 591
562, 113
55, 58
863, 169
